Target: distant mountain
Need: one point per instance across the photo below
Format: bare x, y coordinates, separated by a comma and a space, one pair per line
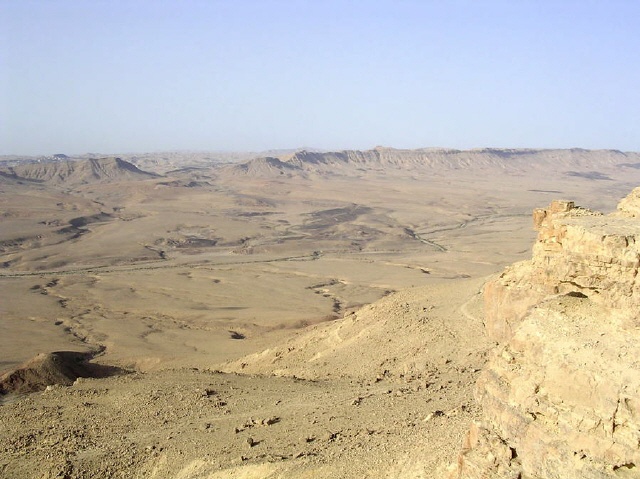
164, 162
305, 162
268, 166
74, 172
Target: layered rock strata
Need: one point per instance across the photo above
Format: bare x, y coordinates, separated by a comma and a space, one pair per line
578, 252
561, 396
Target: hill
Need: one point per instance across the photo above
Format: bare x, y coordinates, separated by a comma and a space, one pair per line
76, 172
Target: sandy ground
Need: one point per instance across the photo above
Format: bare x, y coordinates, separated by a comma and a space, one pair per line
334, 320
395, 416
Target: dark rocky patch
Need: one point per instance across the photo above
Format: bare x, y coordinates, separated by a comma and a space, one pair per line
589, 175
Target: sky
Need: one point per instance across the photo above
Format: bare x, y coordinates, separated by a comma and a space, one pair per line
249, 75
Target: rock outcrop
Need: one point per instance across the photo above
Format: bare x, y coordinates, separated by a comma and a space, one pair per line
578, 252
48, 369
561, 396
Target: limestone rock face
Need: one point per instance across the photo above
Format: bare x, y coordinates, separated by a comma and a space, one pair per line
579, 252
561, 396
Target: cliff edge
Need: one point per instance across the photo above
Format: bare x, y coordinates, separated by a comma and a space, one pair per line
561, 395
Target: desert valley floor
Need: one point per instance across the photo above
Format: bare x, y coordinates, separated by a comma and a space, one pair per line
306, 315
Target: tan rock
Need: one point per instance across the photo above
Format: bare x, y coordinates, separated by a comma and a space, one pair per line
578, 251
561, 395
630, 206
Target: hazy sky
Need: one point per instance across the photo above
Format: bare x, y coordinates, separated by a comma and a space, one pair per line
132, 76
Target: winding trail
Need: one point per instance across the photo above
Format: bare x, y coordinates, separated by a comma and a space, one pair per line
465, 311
152, 266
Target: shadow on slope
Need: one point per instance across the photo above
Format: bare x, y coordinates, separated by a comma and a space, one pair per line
46, 369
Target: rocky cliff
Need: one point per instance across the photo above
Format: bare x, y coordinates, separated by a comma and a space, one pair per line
588, 164
561, 396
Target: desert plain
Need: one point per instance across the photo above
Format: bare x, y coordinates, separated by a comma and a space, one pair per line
297, 314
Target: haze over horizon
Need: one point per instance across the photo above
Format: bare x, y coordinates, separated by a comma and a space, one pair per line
256, 75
